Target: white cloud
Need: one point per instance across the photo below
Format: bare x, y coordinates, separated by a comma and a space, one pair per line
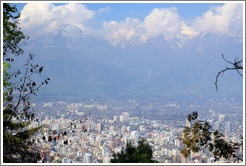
38, 19
166, 22
222, 20
105, 9
122, 32
160, 22
187, 30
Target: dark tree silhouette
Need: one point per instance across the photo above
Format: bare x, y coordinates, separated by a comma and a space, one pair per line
140, 154
236, 65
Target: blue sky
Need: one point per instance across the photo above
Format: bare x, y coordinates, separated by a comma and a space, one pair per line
123, 23
140, 10
119, 11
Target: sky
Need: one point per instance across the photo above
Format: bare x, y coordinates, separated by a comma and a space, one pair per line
135, 48
124, 23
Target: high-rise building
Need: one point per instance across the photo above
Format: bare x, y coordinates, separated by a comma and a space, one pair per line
177, 143
117, 140
115, 119
99, 128
125, 116
121, 118
57, 127
106, 159
128, 128
227, 127
112, 128
112, 145
105, 150
221, 117
141, 128
217, 125
177, 158
88, 158
135, 136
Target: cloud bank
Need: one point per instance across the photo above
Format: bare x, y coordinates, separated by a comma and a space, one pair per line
223, 20
39, 19
166, 22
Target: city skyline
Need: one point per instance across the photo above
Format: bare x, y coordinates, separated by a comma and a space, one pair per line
111, 125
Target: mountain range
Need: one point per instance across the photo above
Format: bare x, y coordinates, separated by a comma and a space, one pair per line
87, 67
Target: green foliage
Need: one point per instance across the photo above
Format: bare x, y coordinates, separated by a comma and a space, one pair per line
200, 137
192, 116
140, 154
13, 37
18, 150
16, 136
221, 148
6, 84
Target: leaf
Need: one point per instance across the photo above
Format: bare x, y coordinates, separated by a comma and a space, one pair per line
65, 142
34, 84
40, 69
189, 117
194, 115
49, 138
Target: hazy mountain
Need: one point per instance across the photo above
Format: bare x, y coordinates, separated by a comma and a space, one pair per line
89, 67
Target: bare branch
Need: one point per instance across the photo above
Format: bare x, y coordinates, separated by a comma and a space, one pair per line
239, 73
236, 66
226, 59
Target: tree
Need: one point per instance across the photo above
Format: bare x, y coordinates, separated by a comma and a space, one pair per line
18, 86
140, 154
200, 137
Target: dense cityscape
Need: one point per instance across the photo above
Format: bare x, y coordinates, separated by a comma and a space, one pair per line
91, 131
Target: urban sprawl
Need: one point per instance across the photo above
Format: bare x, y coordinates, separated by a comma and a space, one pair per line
91, 131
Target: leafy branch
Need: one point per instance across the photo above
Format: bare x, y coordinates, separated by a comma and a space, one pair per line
199, 137
17, 88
